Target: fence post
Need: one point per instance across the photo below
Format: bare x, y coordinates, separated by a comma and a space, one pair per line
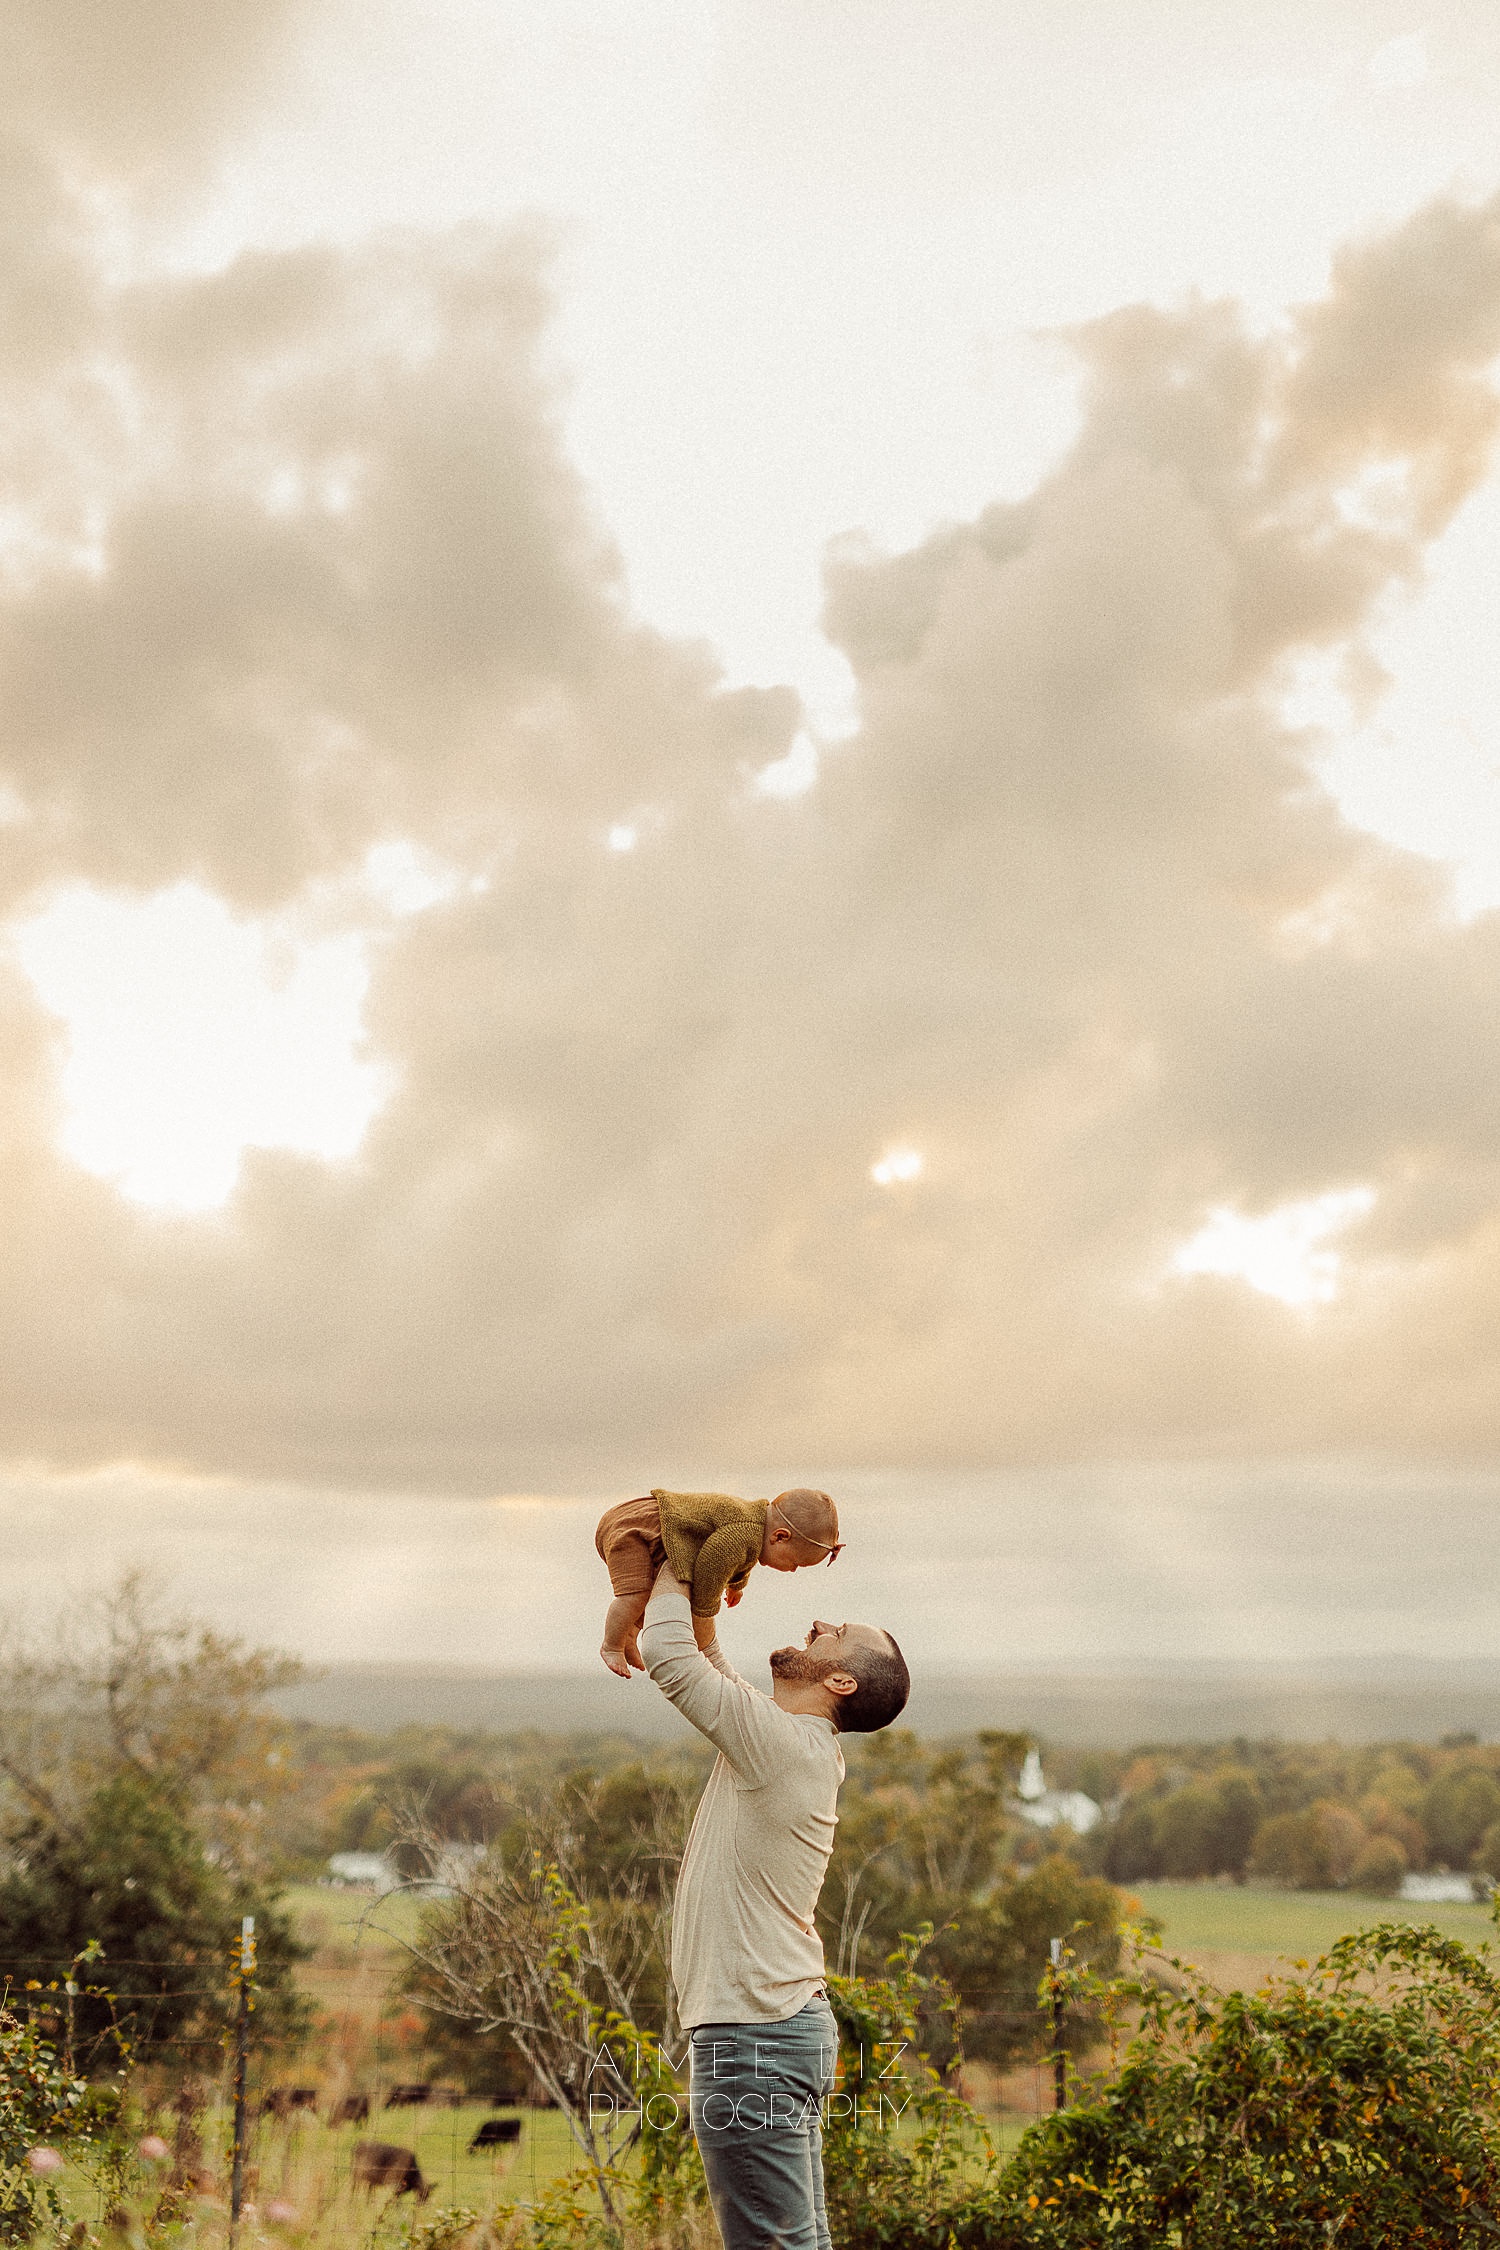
243, 1977
1059, 2051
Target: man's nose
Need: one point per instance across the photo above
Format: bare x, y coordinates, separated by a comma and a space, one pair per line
819, 1628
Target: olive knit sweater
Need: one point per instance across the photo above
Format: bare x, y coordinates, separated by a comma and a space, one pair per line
713, 1541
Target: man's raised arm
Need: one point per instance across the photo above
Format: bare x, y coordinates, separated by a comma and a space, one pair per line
737, 1718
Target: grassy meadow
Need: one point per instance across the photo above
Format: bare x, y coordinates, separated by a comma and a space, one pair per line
358, 1949
1238, 1932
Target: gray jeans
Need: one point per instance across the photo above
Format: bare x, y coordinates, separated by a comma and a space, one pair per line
757, 2096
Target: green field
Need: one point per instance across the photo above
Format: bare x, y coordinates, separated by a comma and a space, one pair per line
353, 1920
358, 1942
1297, 1925
441, 2140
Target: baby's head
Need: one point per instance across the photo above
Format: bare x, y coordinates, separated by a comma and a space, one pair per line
802, 1528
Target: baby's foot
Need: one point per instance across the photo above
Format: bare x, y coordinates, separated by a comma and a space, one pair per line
633, 1655
734, 1595
617, 1661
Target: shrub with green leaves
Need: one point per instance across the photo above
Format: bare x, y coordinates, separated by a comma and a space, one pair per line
886, 2183
1356, 2106
41, 2107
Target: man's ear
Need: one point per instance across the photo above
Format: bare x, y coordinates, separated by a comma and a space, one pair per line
840, 1683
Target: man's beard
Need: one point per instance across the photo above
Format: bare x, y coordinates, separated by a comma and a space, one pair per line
801, 1664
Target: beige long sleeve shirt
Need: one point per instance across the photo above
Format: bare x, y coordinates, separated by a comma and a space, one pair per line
744, 1945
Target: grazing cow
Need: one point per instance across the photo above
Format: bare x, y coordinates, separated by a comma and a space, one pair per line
496, 2132
280, 2101
379, 2164
352, 2109
409, 2097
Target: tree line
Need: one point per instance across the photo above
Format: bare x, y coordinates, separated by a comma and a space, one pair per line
1312, 1816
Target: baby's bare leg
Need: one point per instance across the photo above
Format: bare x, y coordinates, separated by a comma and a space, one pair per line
622, 1623
705, 1629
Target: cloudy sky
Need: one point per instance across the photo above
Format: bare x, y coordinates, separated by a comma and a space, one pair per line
754, 743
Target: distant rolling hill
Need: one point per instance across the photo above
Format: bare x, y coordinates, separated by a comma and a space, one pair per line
1365, 1699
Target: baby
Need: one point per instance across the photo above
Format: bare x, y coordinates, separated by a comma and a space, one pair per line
713, 1542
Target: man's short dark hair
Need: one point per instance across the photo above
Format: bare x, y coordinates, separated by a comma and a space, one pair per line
884, 1685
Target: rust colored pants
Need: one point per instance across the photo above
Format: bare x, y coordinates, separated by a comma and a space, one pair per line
629, 1539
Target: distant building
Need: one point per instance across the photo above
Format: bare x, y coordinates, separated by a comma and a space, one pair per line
362, 1871
452, 1865
1053, 1808
1445, 1889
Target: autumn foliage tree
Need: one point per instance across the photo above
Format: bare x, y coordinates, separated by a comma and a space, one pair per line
136, 1753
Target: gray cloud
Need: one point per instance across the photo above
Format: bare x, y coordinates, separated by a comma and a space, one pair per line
139, 90
1070, 913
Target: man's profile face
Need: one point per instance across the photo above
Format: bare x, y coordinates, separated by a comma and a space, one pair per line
827, 1648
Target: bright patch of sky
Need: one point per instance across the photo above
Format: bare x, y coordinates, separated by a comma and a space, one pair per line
192, 1035
1400, 62
792, 775
1286, 1253
406, 880
896, 1167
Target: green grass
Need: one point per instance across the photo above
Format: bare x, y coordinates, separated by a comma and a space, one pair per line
349, 1921
440, 2139
1297, 1925
358, 1940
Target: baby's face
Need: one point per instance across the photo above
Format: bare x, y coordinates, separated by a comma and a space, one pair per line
781, 1549
790, 1554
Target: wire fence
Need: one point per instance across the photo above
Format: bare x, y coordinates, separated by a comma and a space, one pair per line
308, 2104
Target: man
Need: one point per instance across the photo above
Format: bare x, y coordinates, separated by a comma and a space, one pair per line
747, 1961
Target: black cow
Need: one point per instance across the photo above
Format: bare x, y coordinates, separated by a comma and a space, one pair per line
352, 2109
379, 2164
409, 2097
496, 2132
280, 2101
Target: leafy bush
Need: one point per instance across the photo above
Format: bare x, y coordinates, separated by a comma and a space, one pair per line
885, 2189
1304, 2114
41, 2105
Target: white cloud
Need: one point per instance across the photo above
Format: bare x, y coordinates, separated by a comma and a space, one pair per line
1284, 1253
792, 775
406, 880
193, 1036
1400, 62
896, 1167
